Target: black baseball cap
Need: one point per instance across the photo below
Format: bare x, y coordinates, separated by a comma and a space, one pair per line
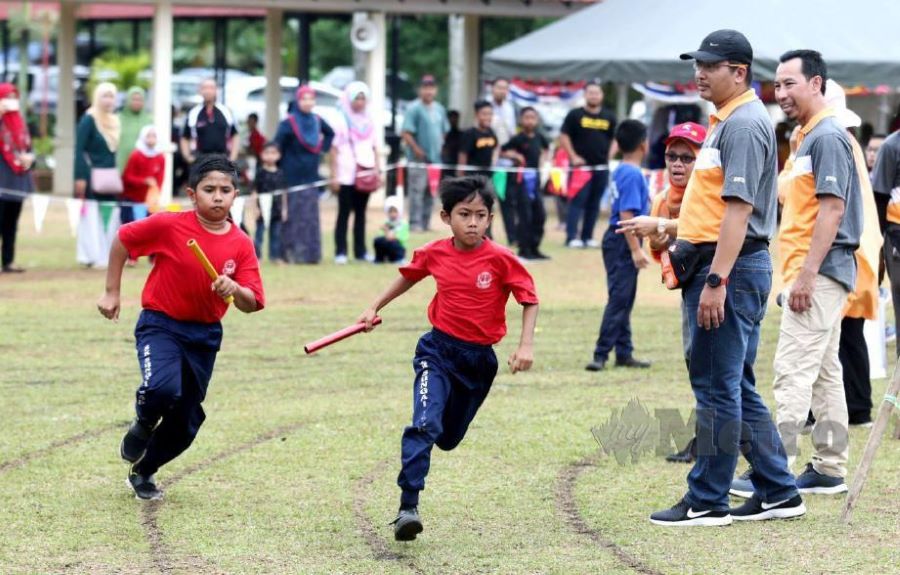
723, 45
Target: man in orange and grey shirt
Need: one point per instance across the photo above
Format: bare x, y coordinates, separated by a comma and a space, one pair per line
886, 184
728, 216
821, 226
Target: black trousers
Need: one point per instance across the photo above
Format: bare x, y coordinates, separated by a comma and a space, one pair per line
349, 200
854, 355
9, 226
531, 219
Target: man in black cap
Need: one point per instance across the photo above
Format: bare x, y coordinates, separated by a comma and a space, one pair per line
727, 219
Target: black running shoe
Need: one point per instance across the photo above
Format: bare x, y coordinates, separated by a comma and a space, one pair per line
743, 485
811, 481
686, 455
144, 486
134, 444
407, 524
632, 362
755, 509
683, 515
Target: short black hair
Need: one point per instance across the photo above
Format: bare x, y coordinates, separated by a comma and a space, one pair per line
253, 115
499, 79
630, 135
271, 144
465, 188
212, 163
590, 83
453, 114
528, 109
811, 64
481, 104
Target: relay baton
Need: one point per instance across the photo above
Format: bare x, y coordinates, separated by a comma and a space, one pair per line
337, 336
204, 261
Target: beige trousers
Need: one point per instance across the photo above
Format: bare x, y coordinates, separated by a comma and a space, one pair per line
808, 374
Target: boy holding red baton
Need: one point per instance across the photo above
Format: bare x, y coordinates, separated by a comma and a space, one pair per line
455, 363
179, 332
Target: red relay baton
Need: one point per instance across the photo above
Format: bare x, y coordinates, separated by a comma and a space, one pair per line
337, 336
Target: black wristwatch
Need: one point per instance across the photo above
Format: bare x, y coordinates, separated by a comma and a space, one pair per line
714, 280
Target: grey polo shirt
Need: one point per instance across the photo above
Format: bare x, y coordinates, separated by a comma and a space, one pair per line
886, 173
827, 153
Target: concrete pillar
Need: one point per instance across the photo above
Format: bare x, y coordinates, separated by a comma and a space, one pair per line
64, 143
163, 28
465, 66
273, 71
621, 101
376, 73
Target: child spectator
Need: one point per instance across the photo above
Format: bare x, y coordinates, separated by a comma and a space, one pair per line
256, 142
623, 256
144, 172
528, 149
179, 332
390, 246
455, 363
269, 178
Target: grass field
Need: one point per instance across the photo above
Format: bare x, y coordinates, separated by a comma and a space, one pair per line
294, 470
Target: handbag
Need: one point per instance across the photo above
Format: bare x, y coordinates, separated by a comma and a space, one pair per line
367, 179
106, 181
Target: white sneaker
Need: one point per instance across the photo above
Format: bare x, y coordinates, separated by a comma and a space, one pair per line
575, 244
592, 244
340, 260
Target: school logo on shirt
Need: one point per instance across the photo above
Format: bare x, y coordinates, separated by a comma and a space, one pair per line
484, 279
229, 268
486, 142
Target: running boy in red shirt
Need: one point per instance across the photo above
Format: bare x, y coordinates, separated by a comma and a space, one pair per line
454, 363
178, 332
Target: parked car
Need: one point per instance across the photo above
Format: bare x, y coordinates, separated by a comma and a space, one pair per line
248, 95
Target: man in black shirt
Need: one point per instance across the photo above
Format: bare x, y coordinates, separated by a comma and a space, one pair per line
210, 128
528, 149
452, 142
587, 137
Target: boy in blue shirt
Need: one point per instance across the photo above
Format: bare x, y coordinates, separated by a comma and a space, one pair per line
622, 253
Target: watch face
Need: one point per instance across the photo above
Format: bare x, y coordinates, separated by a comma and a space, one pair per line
713, 280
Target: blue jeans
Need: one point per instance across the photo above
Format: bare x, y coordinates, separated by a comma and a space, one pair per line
275, 250
621, 287
731, 416
586, 206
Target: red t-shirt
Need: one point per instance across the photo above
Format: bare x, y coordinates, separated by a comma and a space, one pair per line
472, 288
178, 285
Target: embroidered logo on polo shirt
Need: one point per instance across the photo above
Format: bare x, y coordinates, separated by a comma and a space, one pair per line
484, 279
229, 268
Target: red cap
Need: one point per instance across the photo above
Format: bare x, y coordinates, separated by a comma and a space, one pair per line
427, 80
690, 131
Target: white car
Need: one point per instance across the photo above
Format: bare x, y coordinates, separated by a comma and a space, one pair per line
244, 96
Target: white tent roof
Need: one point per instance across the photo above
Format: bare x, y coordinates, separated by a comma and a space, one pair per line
640, 40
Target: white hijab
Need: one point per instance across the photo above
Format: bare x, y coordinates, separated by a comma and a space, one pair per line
141, 143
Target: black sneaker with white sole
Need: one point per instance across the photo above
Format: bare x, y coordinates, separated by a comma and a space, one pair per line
682, 514
144, 486
743, 485
134, 444
407, 524
755, 509
811, 481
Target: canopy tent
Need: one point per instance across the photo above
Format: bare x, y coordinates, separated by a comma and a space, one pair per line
640, 40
